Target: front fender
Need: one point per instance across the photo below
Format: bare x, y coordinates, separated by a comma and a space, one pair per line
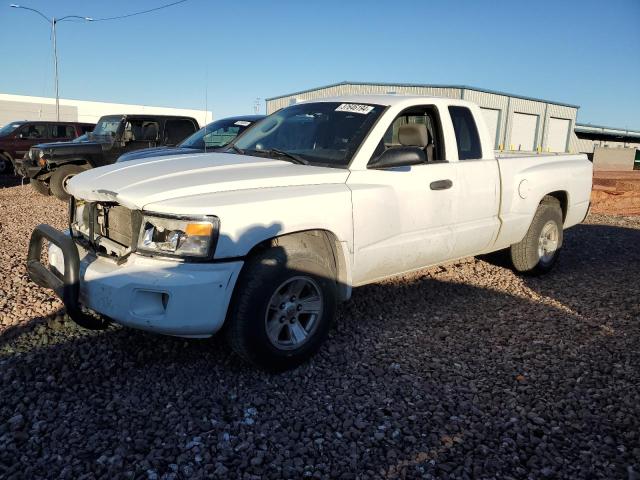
59, 162
249, 217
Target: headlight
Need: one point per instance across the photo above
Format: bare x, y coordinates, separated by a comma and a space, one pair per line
178, 236
42, 159
80, 216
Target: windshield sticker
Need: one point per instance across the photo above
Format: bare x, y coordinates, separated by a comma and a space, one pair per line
242, 123
355, 108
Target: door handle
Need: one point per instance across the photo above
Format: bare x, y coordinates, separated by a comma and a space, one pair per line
441, 184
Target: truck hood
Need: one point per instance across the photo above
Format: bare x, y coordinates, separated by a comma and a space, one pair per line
70, 148
157, 152
162, 179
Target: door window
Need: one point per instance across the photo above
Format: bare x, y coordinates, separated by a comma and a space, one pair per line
177, 130
141, 130
467, 137
59, 132
427, 116
221, 136
34, 132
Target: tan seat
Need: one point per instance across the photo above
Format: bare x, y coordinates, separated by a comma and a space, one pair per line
417, 135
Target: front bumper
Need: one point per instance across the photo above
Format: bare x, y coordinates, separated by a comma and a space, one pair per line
163, 296
26, 168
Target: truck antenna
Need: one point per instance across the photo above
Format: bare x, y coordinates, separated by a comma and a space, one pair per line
206, 105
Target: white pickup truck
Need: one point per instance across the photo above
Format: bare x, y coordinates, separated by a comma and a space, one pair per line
264, 239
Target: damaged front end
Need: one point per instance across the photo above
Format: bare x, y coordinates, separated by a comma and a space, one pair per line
103, 229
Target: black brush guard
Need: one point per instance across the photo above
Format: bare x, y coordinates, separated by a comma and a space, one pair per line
67, 287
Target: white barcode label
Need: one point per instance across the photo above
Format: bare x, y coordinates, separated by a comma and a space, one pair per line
242, 123
355, 108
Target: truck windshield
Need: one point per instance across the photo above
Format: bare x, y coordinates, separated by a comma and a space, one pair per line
8, 128
322, 133
108, 126
216, 134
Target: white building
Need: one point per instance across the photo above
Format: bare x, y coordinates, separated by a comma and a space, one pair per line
22, 107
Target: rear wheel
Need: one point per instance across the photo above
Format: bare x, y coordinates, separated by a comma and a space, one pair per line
6, 167
60, 178
284, 304
39, 186
538, 251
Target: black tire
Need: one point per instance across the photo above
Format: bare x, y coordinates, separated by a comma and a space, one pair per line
59, 179
525, 255
249, 314
39, 186
6, 166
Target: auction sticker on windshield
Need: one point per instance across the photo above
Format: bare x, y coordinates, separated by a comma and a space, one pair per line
242, 123
355, 108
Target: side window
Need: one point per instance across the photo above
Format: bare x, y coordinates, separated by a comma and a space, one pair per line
221, 136
141, 130
59, 132
86, 128
34, 132
177, 130
424, 132
467, 137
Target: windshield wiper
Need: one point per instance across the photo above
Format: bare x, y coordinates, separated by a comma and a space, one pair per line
290, 156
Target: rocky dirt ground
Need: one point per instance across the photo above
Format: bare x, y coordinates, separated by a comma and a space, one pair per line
463, 371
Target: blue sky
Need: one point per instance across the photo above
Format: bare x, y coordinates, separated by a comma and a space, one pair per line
581, 52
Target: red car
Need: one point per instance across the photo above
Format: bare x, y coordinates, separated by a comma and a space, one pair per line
16, 138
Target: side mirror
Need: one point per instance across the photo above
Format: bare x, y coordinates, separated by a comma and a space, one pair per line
399, 157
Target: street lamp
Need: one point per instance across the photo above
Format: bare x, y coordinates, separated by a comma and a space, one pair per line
53, 21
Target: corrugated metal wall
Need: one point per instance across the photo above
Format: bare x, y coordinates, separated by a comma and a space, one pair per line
507, 105
359, 89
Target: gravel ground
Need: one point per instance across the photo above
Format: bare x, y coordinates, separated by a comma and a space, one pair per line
463, 371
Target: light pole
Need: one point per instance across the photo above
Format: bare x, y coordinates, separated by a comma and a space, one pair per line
53, 21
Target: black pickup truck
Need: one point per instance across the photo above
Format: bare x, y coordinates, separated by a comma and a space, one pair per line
49, 166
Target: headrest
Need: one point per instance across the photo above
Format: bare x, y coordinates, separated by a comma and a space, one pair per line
150, 131
414, 135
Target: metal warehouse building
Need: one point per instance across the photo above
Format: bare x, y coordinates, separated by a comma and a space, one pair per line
515, 122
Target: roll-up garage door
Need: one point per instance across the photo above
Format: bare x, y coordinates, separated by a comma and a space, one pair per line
558, 134
491, 118
523, 131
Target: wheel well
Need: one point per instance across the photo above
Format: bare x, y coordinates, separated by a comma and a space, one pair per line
562, 197
322, 241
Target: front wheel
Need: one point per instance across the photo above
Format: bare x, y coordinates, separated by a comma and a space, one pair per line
284, 304
60, 178
538, 251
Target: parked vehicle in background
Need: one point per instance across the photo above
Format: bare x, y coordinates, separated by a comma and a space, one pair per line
214, 136
16, 138
317, 198
50, 165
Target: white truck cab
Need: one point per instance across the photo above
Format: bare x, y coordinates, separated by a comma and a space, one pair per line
322, 196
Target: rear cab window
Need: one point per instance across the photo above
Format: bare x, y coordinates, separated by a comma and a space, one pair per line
177, 130
466, 131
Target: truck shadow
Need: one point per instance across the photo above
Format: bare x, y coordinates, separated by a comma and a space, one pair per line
7, 181
597, 263
421, 373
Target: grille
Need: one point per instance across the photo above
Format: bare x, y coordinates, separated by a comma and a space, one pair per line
119, 225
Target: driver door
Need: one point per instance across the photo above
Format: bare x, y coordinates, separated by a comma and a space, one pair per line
403, 216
